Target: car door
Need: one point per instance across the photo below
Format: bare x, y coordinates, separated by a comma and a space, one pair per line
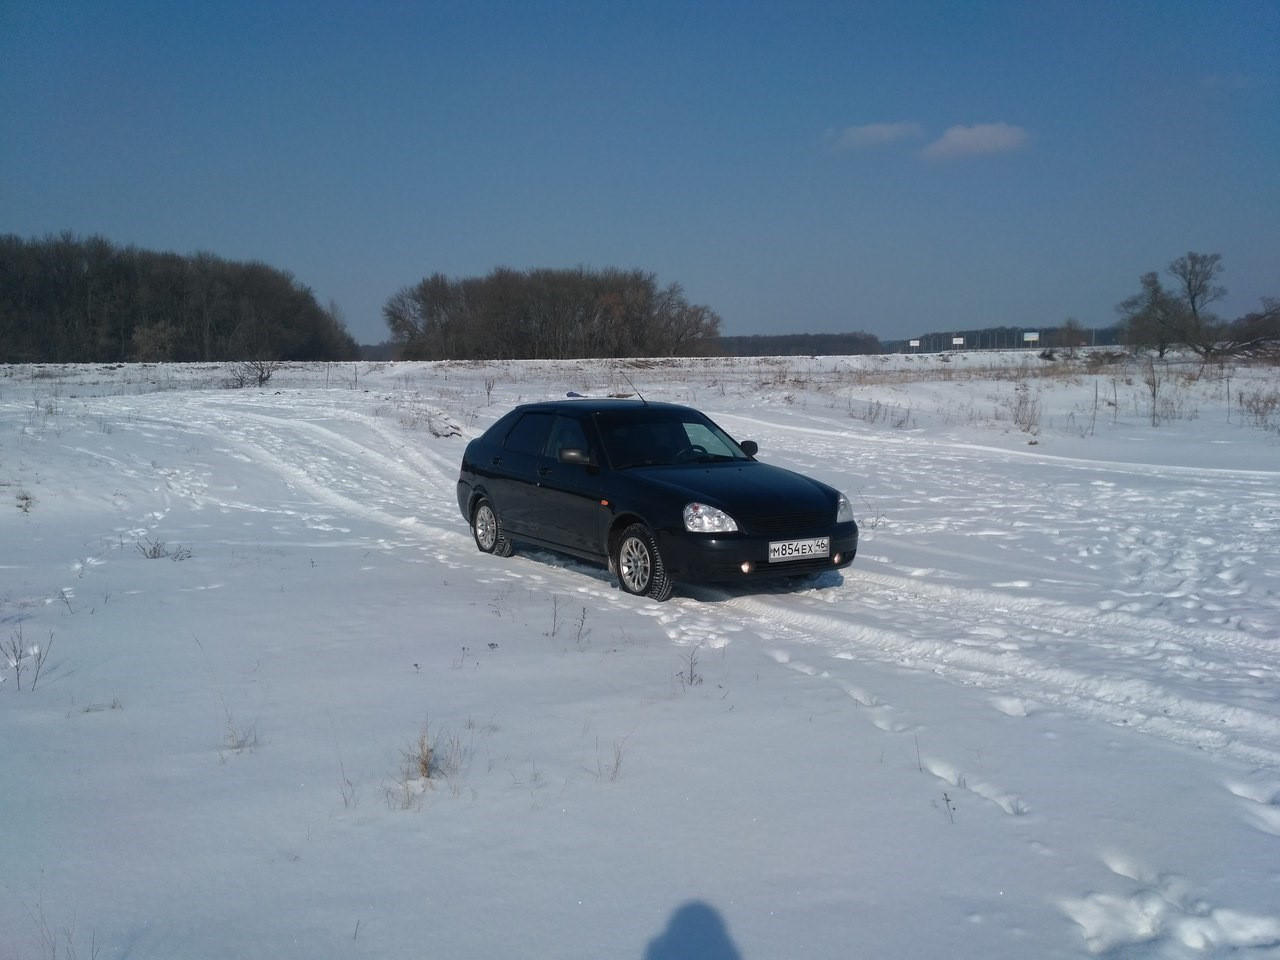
569, 487
512, 472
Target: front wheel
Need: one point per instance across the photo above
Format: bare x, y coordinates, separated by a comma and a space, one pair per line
487, 530
639, 565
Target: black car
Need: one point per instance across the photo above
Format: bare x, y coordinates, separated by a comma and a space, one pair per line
657, 491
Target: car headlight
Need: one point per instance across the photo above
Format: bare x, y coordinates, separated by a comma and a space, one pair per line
700, 518
844, 510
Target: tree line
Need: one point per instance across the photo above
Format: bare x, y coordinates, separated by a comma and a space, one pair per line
71, 299
67, 299
551, 314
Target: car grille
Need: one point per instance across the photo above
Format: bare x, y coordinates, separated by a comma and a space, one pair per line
789, 524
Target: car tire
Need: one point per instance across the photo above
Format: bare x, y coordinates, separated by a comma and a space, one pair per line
639, 565
486, 527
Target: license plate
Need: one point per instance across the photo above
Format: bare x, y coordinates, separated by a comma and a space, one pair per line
780, 550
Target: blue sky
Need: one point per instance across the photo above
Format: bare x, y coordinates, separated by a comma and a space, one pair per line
893, 167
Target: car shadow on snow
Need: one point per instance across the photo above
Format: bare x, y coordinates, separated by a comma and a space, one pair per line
781, 587
695, 931
702, 592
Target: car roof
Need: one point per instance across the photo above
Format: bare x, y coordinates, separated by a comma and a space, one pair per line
601, 404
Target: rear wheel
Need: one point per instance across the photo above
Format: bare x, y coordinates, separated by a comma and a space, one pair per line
639, 565
487, 529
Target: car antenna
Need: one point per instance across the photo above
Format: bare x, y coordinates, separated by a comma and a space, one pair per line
633, 386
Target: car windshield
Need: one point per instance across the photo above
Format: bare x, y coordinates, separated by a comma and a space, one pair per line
646, 437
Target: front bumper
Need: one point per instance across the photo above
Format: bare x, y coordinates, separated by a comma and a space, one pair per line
699, 557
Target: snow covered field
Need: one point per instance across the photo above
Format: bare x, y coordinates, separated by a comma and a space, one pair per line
1039, 717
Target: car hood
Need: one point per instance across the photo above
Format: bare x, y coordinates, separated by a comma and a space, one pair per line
742, 488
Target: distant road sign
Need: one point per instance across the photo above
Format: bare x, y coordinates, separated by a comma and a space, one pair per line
957, 341
1031, 337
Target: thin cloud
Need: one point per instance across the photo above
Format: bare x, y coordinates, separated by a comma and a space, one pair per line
877, 135
978, 140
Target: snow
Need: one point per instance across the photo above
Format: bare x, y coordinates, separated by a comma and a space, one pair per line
1038, 717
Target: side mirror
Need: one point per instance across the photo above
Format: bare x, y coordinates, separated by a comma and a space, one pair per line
574, 455
750, 447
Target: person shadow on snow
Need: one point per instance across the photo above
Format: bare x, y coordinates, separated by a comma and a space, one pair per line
694, 932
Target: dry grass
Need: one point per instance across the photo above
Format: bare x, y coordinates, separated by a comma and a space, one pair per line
1261, 408
429, 758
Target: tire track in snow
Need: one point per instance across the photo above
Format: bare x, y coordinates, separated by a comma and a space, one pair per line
1142, 539
1020, 648
407, 487
339, 472
1011, 670
1147, 630
349, 475
1100, 587
1013, 653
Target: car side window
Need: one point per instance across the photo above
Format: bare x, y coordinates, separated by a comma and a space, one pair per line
529, 434
628, 444
567, 434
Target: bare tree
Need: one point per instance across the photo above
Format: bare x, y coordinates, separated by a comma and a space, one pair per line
1151, 317
1071, 335
1196, 288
